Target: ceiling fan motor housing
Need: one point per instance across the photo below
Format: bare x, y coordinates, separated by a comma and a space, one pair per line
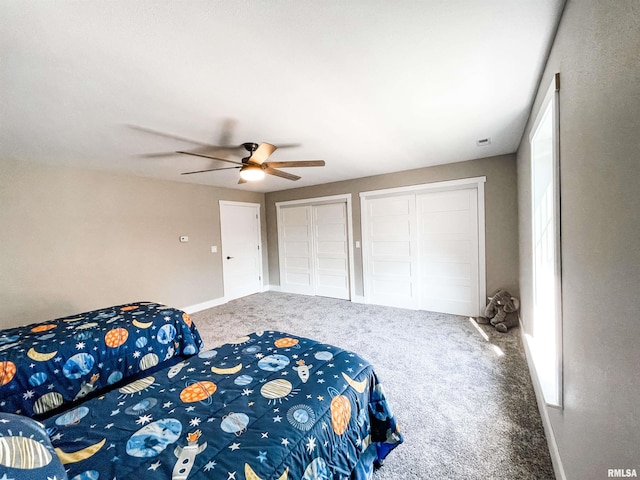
250, 146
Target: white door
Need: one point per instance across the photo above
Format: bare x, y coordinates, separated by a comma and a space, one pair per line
296, 250
241, 249
390, 251
330, 248
313, 242
423, 247
448, 251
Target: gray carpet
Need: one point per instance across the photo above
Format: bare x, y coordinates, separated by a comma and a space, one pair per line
465, 411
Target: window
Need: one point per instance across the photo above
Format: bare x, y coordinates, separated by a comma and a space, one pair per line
545, 338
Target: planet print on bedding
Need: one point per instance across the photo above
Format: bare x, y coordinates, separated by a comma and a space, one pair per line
152, 439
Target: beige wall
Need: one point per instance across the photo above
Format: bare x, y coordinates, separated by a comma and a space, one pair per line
73, 240
597, 52
500, 209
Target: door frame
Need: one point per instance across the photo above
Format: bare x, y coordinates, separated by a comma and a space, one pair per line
343, 198
473, 182
256, 207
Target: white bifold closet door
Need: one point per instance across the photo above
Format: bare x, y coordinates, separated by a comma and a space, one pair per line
313, 243
421, 251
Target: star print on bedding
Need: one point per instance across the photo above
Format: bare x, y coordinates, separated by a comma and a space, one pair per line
48, 365
269, 406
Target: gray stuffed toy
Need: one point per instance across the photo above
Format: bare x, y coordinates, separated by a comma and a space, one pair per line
501, 312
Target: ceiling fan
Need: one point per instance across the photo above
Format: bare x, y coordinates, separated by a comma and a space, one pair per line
254, 166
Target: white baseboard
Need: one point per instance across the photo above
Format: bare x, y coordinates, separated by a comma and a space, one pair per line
204, 305
222, 300
556, 460
277, 288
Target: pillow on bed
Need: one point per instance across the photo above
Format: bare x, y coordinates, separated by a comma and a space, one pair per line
25, 450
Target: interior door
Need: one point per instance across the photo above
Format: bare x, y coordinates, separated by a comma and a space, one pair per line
390, 251
330, 248
241, 249
448, 251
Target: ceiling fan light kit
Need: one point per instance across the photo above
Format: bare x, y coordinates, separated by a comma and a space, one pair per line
251, 173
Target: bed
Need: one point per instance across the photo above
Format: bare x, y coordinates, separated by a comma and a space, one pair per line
49, 366
268, 406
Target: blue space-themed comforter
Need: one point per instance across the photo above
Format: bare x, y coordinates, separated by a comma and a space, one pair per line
47, 366
269, 406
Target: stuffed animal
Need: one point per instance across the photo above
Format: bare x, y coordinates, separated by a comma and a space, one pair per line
501, 312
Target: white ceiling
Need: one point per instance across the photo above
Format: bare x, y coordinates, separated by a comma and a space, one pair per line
370, 86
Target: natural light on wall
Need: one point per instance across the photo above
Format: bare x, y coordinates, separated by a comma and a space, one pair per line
545, 338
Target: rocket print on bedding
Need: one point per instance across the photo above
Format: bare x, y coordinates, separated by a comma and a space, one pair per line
268, 406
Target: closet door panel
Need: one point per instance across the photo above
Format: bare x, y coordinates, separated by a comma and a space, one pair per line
296, 256
331, 269
448, 249
390, 251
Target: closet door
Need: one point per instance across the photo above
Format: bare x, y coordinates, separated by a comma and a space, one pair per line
313, 243
390, 251
330, 248
423, 247
296, 250
448, 251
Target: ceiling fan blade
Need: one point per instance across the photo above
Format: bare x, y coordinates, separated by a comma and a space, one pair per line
209, 170
157, 155
262, 153
289, 145
209, 156
168, 135
298, 163
204, 147
280, 173
209, 149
